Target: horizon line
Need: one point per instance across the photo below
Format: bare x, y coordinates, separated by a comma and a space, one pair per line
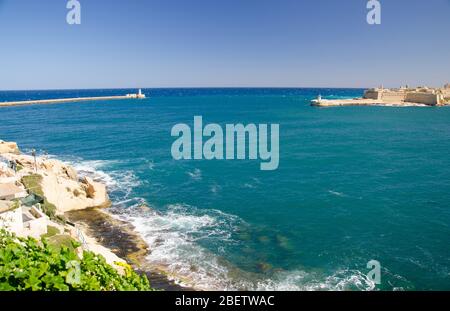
185, 87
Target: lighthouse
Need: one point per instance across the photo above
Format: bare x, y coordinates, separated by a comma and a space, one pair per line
140, 94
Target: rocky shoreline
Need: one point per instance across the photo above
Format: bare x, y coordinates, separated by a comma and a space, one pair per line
73, 206
121, 239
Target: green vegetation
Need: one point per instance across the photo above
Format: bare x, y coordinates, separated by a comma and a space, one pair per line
29, 265
51, 231
59, 241
33, 185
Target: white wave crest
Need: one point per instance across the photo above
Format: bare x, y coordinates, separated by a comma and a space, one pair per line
173, 235
120, 183
196, 174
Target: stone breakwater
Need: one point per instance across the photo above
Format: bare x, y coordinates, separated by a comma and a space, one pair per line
362, 102
78, 211
69, 100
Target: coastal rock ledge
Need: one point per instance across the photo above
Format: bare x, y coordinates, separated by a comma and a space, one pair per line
9, 147
58, 182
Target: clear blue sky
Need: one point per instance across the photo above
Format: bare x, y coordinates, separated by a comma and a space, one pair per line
189, 43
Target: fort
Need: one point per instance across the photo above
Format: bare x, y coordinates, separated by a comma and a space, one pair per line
403, 96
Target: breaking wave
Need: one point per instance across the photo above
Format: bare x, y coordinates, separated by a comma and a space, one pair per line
120, 183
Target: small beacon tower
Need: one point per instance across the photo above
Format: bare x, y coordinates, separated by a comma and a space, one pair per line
140, 94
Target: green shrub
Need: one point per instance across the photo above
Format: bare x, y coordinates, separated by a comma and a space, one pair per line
61, 240
51, 231
29, 265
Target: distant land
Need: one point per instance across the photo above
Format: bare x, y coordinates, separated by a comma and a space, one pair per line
403, 96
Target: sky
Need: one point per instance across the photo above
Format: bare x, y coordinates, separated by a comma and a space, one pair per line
223, 43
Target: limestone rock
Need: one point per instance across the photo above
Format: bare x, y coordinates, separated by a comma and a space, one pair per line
60, 184
70, 195
9, 147
60, 169
22, 160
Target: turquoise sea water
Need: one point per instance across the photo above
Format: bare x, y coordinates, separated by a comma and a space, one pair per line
354, 184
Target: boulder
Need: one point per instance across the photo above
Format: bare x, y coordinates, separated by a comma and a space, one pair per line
9, 147
70, 195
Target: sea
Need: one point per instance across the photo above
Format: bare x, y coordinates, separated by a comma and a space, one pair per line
358, 190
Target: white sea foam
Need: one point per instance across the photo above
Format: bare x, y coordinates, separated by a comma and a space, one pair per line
151, 165
299, 280
342, 195
119, 183
336, 193
196, 174
215, 188
172, 236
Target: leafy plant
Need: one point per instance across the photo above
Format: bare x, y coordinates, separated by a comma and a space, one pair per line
30, 265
